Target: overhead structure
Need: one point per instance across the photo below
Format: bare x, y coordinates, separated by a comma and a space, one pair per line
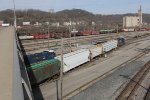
14, 80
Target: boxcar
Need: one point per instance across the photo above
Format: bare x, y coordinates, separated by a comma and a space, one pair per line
43, 70
37, 57
74, 59
95, 51
109, 45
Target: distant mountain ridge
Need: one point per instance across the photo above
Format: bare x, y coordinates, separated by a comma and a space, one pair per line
34, 15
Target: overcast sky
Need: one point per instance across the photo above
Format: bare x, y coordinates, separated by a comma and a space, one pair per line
95, 6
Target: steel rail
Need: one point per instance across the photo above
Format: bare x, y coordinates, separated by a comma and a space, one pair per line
134, 83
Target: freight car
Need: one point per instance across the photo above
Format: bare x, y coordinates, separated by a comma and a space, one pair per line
74, 59
38, 57
49, 67
42, 35
79, 57
95, 33
85, 33
106, 31
43, 70
128, 30
26, 37
109, 45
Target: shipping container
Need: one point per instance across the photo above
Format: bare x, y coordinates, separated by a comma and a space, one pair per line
43, 70
74, 59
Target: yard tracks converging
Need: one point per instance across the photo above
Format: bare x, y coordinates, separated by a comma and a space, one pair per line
134, 83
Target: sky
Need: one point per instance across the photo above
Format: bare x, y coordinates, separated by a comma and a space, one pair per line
94, 6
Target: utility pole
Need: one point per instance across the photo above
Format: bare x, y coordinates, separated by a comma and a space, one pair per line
140, 17
117, 28
15, 21
61, 71
70, 28
48, 31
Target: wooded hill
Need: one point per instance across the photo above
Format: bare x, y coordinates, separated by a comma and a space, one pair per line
75, 15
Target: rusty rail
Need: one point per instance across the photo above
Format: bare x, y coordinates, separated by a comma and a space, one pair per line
134, 83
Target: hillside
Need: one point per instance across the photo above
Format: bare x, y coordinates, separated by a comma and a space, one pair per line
33, 15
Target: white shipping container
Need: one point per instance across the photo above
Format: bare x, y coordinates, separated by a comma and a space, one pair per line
74, 59
96, 51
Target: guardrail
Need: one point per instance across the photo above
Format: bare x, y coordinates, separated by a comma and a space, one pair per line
21, 85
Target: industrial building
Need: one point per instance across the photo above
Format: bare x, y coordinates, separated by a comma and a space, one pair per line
133, 21
130, 21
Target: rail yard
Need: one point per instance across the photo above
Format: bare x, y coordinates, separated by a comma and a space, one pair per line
90, 64
91, 74
75, 54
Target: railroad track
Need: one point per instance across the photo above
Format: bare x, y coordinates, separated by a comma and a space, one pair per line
147, 96
56, 45
125, 45
81, 38
134, 83
28, 42
83, 87
39, 41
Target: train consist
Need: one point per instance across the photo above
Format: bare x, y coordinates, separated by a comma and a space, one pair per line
65, 34
44, 65
78, 33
